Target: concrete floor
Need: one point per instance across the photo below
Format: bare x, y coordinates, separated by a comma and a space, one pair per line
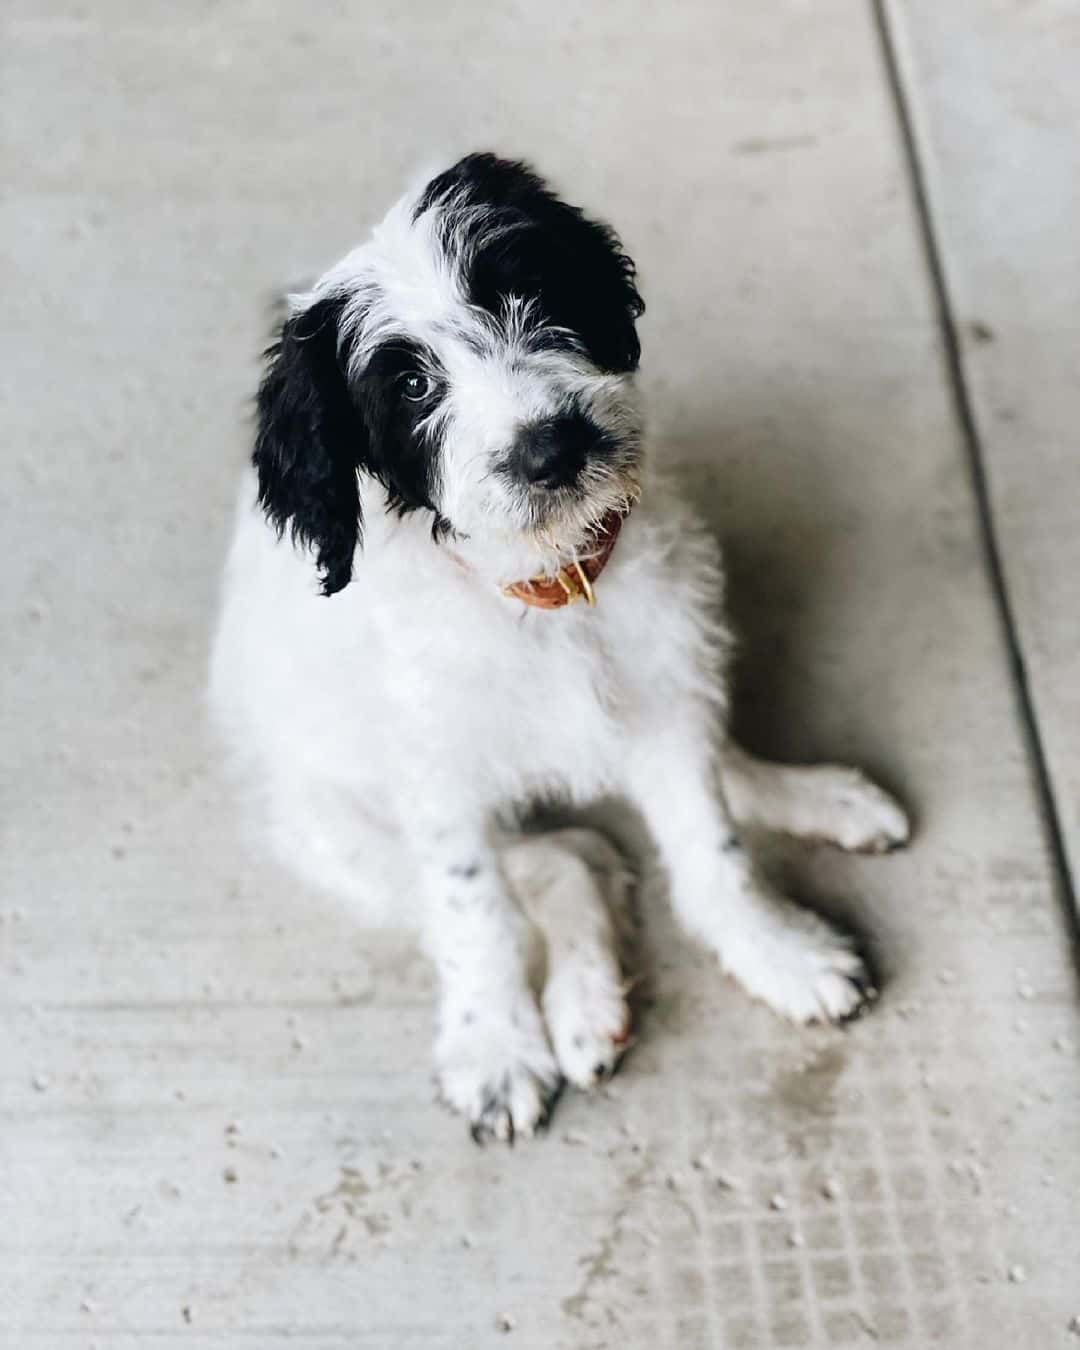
856, 233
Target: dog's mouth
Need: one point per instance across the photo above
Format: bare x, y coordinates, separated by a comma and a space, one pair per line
577, 509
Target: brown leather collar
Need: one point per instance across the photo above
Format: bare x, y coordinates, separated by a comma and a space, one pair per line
573, 581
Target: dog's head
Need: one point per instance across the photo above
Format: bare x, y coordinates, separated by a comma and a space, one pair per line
475, 357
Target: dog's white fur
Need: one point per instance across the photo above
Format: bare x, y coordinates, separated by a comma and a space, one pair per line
394, 728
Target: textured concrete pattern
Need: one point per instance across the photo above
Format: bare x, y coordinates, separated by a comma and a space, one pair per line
217, 1124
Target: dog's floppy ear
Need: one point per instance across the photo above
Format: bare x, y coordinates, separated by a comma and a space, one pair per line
310, 442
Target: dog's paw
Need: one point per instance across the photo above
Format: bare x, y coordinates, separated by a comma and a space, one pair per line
500, 1076
587, 1016
800, 966
855, 814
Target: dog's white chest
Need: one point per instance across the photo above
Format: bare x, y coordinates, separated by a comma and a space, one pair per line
539, 704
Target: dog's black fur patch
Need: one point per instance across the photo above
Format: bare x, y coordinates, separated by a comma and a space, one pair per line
316, 430
544, 249
401, 456
310, 442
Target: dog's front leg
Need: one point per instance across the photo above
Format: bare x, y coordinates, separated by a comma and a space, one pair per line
492, 1056
783, 954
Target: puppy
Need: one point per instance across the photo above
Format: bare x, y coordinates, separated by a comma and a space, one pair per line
514, 606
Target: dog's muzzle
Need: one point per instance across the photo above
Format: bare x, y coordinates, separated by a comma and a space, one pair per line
552, 453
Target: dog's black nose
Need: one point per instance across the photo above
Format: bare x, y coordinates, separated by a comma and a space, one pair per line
552, 453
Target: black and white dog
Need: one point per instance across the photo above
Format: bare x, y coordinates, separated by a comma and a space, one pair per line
532, 612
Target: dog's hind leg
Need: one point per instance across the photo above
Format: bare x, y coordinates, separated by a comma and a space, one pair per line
826, 802
573, 885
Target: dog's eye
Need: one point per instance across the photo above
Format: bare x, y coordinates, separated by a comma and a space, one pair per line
417, 387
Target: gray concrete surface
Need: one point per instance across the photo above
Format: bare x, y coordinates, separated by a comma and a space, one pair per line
217, 1123
995, 104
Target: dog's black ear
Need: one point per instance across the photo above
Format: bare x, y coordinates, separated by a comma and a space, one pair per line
310, 442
